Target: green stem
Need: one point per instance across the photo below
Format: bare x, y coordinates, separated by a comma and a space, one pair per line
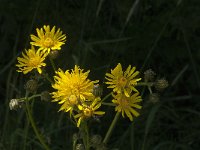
107, 96
112, 126
47, 77
148, 84
145, 84
143, 144
52, 63
149, 88
85, 135
74, 144
34, 96
87, 138
33, 124
108, 104
29, 98
26, 134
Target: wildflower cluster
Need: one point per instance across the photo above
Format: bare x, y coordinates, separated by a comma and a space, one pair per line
75, 92
47, 41
125, 95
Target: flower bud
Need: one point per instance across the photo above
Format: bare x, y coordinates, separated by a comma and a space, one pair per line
97, 90
53, 54
95, 140
154, 97
45, 96
161, 84
31, 85
149, 75
101, 147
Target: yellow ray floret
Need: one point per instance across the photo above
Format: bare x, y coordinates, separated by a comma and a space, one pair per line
127, 105
123, 82
48, 39
31, 59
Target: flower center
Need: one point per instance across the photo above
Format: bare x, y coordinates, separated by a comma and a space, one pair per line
48, 42
122, 81
34, 62
123, 102
87, 112
73, 100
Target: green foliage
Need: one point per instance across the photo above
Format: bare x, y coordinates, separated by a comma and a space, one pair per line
160, 34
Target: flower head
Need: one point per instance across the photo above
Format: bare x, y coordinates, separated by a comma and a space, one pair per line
127, 105
48, 39
14, 104
32, 59
123, 82
69, 104
72, 88
88, 111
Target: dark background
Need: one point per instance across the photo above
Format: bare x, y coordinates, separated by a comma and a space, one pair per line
163, 35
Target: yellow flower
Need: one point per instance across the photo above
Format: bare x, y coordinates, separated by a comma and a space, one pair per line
123, 82
127, 105
48, 39
88, 111
69, 104
32, 59
72, 88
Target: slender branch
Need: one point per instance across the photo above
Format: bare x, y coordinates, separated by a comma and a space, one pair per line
112, 126
33, 124
47, 77
108, 104
34, 96
84, 129
145, 84
107, 96
52, 63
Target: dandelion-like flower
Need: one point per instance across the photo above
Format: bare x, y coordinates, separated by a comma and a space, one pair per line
127, 105
31, 59
88, 111
123, 82
48, 39
72, 88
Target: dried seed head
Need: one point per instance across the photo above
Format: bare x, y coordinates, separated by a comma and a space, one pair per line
161, 84
14, 104
149, 75
31, 85
80, 147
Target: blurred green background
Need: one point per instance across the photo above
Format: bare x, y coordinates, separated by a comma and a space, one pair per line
163, 35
